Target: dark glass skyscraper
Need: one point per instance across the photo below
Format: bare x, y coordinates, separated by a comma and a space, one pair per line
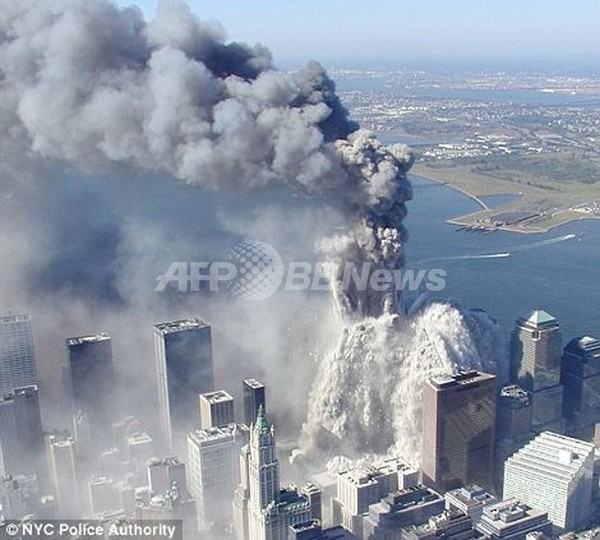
459, 418
581, 379
17, 354
183, 351
254, 397
92, 380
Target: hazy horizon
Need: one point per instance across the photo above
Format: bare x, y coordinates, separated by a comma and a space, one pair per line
555, 33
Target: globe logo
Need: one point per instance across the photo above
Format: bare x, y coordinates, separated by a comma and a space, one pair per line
259, 270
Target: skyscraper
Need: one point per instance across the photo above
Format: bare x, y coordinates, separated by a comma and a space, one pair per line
553, 473
513, 427
254, 397
580, 375
21, 433
64, 475
271, 510
216, 409
183, 351
459, 416
17, 353
536, 350
92, 379
213, 468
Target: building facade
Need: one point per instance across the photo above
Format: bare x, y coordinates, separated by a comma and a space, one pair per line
553, 473
184, 364
536, 351
459, 426
17, 353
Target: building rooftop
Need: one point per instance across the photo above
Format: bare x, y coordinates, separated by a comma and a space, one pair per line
219, 396
460, 379
253, 383
169, 461
504, 514
513, 396
214, 434
539, 316
586, 347
182, 325
553, 455
95, 338
472, 496
13, 318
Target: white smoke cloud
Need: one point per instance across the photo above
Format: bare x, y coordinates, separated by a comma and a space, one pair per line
367, 393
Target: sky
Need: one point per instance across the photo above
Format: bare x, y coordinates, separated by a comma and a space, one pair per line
387, 30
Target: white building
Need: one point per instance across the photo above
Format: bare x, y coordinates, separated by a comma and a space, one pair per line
212, 469
362, 486
553, 473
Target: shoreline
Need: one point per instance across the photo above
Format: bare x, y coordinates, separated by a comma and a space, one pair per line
487, 228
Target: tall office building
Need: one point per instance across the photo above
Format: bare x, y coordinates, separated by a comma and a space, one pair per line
271, 510
254, 397
17, 353
580, 375
64, 474
553, 473
92, 379
513, 427
21, 433
213, 470
536, 351
216, 409
183, 351
459, 417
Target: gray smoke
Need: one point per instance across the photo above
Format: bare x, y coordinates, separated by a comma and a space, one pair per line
95, 87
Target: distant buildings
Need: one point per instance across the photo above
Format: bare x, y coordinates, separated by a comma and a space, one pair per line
17, 353
254, 397
216, 409
459, 423
92, 383
213, 471
553, 473
512, 520
536, 351
183, 352
580, 375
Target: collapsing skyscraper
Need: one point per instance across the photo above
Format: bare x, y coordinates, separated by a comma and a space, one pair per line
183, 352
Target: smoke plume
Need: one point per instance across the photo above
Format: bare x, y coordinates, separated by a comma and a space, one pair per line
92, 88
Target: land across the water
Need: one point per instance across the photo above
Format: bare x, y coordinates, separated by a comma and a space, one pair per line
515, 202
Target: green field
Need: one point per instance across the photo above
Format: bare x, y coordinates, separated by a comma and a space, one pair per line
547, 184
